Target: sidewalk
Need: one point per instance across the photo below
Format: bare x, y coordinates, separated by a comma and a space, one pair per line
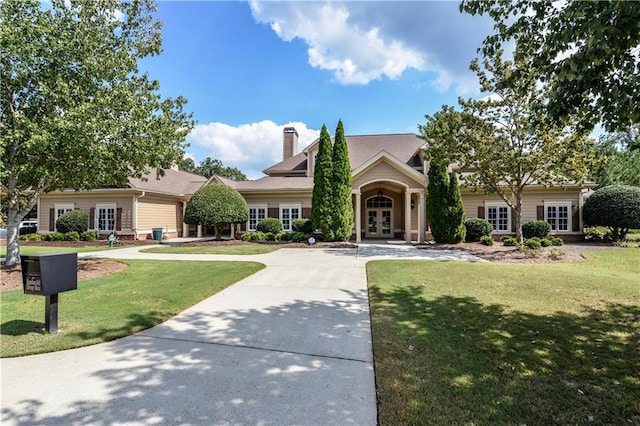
290, 344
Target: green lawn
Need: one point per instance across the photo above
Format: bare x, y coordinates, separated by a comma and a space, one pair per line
116, 305
239, 249
26, 250
489, 343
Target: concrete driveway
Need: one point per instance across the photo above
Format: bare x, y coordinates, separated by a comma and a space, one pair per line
290, 344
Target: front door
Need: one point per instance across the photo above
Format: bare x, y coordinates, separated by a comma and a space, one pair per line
379, 217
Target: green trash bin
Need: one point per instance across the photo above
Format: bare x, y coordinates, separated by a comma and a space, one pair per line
157, 234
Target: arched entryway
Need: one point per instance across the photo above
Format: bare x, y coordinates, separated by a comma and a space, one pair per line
379, 214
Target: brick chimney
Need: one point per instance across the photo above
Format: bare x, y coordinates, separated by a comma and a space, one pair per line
289, 142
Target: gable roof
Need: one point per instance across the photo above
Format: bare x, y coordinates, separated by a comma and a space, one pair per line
174, 182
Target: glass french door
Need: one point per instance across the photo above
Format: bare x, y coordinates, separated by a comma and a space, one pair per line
379, 223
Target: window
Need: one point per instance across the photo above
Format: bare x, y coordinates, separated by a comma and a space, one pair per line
558, 215
256, 214
499, 216
289, 213
379, 201
61, 209
106, 217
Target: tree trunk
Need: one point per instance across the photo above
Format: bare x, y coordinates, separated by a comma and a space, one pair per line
518, 219
217, 230
15, 214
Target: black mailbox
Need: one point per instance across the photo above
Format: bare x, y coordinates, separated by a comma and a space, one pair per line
49, 274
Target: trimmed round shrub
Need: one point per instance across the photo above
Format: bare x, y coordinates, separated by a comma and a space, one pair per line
508, 240
269, 236
532, 243
302, 225
536, 228
546, 242
216, 205
477, 228
556, 241
299, 237
72, 236
246, 236
270, 224
73, 221
89, 235
617, 207
257, 236
54, 236
284, 236
486, 240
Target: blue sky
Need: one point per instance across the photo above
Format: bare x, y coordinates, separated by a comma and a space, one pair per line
250, 68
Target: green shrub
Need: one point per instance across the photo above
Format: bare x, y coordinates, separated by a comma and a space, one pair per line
536, 228
31, 237
616, 207
257, 236
477, 228
270, 224
216, 205
89, 235
72, 236
486, 240
508, 240
546, 242
284, 236
532, 243
269, 236
246, 236
299, 237
556, 241
597, 234
54, 236
302, 225
26, 230
75, 220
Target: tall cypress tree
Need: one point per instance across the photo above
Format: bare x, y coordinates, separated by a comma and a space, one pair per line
437, 201
454, 225
321, 202
342, 207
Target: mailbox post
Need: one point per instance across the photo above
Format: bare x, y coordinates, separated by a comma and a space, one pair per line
47, 275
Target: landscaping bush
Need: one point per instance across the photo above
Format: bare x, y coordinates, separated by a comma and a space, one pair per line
299, 237
89, 235
26, 230
75, 220
597, 234
477, 228
216, 205
508, 240
536, 228
616, 207
269, 224
556, 241
269, 236
546, 242
246, 236
54, 236
257, 236
31, 237
284, 236
486, 240
302, 225
72, 236
532, 243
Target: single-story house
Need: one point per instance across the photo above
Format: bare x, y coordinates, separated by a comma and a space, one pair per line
389, 191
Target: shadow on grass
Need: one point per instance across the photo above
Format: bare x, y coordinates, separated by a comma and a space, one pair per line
455, 360
135, 323
21, 327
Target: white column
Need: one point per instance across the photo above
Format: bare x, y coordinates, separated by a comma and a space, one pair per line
422, 218
407, 216
185, 227
358, 217
233, 231
199, 233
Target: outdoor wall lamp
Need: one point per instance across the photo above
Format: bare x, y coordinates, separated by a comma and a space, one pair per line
413, 204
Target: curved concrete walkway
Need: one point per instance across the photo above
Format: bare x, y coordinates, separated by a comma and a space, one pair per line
290, 344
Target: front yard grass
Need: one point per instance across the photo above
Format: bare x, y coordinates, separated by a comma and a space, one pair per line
101, 309
239, 249
28, 249
488, 343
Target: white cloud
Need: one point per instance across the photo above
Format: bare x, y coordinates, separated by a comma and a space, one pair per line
249, 147
364, 41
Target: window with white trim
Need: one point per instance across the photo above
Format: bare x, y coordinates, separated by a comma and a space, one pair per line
558, 215
105, 217
61, 209
499, 216
256, 214
289, 213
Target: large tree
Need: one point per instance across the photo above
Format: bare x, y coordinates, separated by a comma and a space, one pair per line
322, 174
504, 142
209, 167
216, 205
621, 164
75, 111
342, 205
587, 51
